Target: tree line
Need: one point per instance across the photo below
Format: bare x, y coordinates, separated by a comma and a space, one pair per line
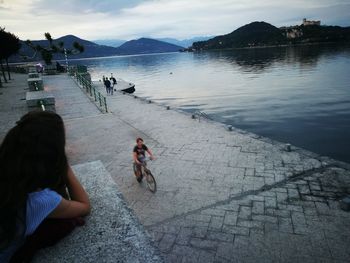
10, 45
260, 34
52, 48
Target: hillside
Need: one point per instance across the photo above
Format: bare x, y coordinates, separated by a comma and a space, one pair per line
91, 49
147, 45
319, 34
253, 34
260, 34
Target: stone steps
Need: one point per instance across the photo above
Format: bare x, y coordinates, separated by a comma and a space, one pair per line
111, 234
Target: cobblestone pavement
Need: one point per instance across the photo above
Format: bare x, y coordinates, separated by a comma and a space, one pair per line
12, 102
222, 195
71, 102
235, 196
295, 221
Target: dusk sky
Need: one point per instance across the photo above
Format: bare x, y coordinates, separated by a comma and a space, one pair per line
130, 19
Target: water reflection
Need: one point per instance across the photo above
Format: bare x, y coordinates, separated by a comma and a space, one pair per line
259, 59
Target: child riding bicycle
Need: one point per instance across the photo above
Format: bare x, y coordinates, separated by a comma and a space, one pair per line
139, 156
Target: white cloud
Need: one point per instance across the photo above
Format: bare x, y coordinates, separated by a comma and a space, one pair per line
128, 19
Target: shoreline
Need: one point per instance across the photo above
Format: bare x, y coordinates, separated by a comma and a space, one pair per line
345, 44
342, 164
286, 138
222, 195
96, 58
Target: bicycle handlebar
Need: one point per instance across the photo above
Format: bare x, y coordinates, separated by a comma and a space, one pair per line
147, 159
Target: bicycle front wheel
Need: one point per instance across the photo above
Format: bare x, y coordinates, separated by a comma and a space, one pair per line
151, 182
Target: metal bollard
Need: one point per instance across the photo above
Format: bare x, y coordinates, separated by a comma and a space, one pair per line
42, 104
345, 203
288, 147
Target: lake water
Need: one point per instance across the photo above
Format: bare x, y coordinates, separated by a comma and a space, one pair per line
298, 95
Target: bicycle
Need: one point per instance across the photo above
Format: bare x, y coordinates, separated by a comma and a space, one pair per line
145, 172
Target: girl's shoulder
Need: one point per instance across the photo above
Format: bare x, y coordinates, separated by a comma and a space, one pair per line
43, 194
43, 199
39, 205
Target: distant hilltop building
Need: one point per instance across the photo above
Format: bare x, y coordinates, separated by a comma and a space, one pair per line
311, 23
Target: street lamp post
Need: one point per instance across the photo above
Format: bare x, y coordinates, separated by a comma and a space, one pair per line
65, 54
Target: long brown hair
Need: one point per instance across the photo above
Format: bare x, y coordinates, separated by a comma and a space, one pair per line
32, 157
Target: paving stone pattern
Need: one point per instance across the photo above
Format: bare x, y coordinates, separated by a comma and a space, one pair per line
71, 102
12, 102
238, 197
299, 221
223, 196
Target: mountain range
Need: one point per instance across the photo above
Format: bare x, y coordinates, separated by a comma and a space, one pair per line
147, 46
255, 34
110, 42
91, 49
182, 43
185, 42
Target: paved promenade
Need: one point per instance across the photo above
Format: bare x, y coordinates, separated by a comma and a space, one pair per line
223, 196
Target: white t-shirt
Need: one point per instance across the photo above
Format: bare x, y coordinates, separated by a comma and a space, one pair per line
39, 205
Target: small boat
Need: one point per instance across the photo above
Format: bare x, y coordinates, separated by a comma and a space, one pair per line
124, 86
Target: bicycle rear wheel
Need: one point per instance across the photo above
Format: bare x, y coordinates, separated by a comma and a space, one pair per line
151, 182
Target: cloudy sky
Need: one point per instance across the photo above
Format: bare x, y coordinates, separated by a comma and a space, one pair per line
130, 19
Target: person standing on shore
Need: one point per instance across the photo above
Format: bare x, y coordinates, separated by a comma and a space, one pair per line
114, 82
104, 83
108, 86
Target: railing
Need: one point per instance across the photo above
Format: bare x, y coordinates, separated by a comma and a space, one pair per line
18, 69
199, 114
85, 83
41, 104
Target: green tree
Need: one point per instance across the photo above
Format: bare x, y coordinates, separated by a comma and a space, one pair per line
3, 40
10, 45
48, 51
